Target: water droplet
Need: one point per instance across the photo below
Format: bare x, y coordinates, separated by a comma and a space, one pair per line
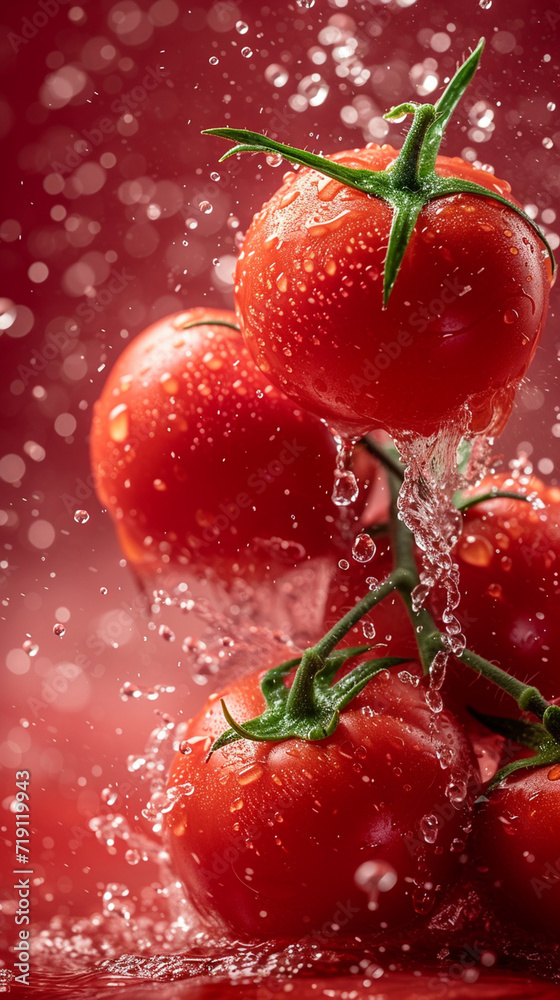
118, 422
205, 207
373, 878
242, 27
166, 633
423, 899
246, 52
250, 774
185, 747
343, 564
547, 142
434, 700
485, 4
214, 176
368, 629
109, 796
429, 828
364, 548
59, 629
276, 75
213, 60
103, 590
81, 517
132, 856
30, 647
274, 159
306, 4
438, 668
406, 677
345, 490
456, 791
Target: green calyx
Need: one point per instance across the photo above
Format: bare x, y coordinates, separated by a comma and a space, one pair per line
311, 707
410, 182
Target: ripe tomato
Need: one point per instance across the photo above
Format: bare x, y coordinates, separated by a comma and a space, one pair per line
461, 324
357, 832
509, 562
202, 463
517, 848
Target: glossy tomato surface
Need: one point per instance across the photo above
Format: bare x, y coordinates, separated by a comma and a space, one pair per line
517, 847
509, 562
460, 327
202, 463
358, 832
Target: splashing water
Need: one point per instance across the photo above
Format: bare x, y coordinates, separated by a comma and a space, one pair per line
345, 489
426, 507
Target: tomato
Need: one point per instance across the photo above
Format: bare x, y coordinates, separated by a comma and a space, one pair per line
203, 464
509, 562
357, 832
461, 324
517, 848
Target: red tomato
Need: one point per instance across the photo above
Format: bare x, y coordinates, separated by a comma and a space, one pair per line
509, 562
461, 325
202, 463
357, 832
517, 847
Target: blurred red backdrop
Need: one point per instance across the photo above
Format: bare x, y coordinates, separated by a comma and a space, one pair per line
116, 212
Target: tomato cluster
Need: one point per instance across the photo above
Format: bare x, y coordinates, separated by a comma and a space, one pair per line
342, 800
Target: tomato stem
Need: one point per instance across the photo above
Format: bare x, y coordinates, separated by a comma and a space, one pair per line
404, 172
407, 184
383, 455
310, 708
210, 322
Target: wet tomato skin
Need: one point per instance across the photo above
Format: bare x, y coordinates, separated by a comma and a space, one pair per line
517, 848
509, 562
474, 283
268, 837
203, 464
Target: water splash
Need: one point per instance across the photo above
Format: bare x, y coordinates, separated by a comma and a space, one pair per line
345, 489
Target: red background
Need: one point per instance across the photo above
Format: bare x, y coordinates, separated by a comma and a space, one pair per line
82, 199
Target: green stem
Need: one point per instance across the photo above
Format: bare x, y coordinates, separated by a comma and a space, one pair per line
301, 699
209, 322
337, 633
404, 172
383, 456
529, 699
